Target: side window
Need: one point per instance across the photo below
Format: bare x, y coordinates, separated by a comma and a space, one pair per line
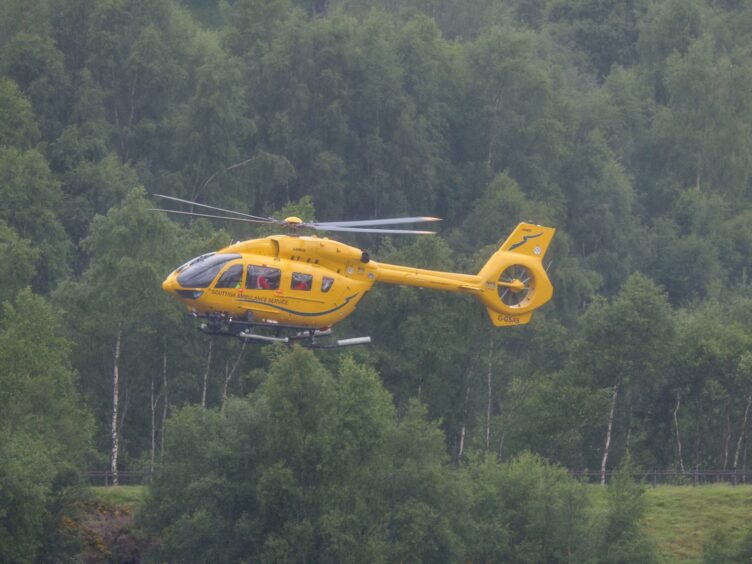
231, 278
301, 281
262, 278
326, 284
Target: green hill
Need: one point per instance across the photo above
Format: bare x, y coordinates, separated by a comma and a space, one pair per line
681, 519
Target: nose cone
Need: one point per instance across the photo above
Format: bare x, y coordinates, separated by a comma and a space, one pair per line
170, 284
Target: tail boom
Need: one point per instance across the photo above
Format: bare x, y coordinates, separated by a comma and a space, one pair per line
512, 284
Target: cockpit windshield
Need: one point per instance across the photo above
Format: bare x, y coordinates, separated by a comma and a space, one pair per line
201, 271
180, 269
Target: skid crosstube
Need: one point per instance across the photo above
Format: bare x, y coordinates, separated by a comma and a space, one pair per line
304, 336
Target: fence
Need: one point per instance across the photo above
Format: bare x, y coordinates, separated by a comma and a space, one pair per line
694, 477
125, 477
652, 477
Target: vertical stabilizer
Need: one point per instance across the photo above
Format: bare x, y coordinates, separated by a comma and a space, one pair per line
515, 282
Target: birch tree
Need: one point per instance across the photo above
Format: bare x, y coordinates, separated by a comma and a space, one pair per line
117, 308
624, 349
45, 431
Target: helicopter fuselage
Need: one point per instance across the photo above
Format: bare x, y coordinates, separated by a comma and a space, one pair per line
312, 282
302, 281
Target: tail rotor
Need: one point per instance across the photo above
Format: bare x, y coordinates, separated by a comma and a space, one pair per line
515, 286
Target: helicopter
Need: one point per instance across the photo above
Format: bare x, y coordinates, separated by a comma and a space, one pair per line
294, 287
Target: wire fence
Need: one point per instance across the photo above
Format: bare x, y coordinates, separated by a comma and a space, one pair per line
125, 478
695, 477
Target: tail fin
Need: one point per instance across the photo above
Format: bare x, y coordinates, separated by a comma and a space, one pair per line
514, 281
528, 239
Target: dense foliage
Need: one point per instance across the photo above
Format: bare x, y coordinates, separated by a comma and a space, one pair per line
627, 125
317, 467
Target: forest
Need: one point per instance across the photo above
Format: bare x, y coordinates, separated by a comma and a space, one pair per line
627, 125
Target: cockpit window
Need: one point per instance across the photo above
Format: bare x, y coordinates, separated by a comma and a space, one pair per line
262, 278
231, 278
202, 271
192, 261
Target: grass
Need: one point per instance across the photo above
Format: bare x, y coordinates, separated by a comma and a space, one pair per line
127, 497
680, 519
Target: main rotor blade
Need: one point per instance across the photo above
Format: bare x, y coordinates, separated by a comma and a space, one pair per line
369, 222
173, 198
243, 219
320, 227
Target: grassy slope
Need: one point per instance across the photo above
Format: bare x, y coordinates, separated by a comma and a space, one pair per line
106, 525
680, 519
128, 497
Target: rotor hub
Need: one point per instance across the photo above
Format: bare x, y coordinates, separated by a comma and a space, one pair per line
515, 286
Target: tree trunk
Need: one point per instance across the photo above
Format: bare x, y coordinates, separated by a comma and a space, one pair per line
698, 443
489, 394
115, 400
629, 431
468, 377
742, 433
727, 437
229, 375
164, 405
153, 405
678, 440
206, 373
462, 444
608, 433
125, 395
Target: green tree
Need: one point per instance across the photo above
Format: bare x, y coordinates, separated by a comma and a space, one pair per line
31, 197
38, 67
624, 350
44, 429
527, 511
18, 125
624, 538
18, 259
327, 468
606, 31
118, 312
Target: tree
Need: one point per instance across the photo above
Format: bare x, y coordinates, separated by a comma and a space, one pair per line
18, 125
31, 196
44, 429
624, 350
327, 468
624, 539
38, 67
118, 304
527, 510
606, 31
18, 259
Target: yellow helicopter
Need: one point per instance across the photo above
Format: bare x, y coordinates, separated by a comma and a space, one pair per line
262, 288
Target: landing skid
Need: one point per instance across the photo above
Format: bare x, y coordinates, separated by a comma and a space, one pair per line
246, 330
